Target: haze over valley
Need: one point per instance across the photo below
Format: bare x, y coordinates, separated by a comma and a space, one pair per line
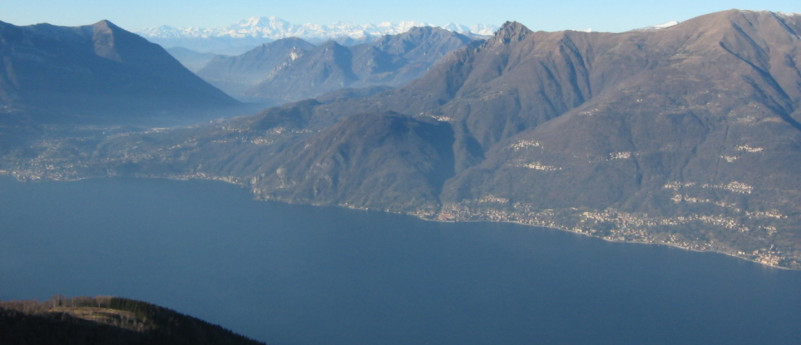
685, 135
667, 137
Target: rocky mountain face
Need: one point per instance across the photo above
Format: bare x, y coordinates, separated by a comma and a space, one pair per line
236, 74
684, 136
292, 69
105, 320
399, 162
90, 71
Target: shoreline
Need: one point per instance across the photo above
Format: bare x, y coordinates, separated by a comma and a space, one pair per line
612, 240
441, 217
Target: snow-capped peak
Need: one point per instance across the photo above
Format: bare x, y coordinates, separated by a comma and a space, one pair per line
661, 26
666, 25
273, 28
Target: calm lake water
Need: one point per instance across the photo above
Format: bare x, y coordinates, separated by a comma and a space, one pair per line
289, 274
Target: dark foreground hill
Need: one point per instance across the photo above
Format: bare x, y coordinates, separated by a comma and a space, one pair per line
687, 136
105, 320
97, 72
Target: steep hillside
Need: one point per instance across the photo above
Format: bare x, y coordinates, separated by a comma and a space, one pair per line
691, 144
326, 68
99, 71
105, 320
684, 136
236, 74
292, 69
365, 160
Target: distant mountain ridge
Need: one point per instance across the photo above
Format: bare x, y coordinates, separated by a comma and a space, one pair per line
236, 74
688, 136
292, 69
275, 28
88, 71
259, 30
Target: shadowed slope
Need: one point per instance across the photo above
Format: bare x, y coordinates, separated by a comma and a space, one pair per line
684, 136
100, 70
105, 320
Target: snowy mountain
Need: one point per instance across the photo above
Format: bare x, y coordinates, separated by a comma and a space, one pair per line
660, 26
257, 30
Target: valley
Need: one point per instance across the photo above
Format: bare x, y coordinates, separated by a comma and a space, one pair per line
399, 183
684, 136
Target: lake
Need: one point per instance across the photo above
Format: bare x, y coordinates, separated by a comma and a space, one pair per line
288, 274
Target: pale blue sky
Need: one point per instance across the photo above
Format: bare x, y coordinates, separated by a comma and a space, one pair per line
612, 16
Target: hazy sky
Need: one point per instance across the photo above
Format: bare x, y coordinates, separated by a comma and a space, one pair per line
612, 16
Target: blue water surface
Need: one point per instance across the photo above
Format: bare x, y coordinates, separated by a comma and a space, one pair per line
288, 274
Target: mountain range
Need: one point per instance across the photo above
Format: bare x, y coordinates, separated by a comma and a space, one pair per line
92, 71
685, 136
292, 69
248, 33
